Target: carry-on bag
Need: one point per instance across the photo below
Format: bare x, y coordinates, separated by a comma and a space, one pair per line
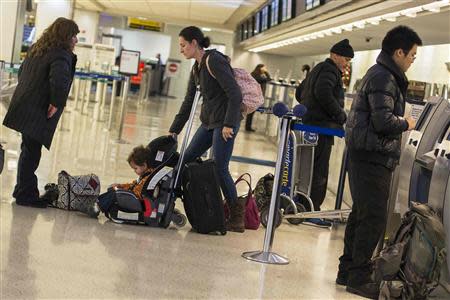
78, 193
251, 217
202, 197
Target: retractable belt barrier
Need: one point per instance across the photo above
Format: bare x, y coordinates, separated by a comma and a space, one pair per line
290, 120
94, 75
82, 91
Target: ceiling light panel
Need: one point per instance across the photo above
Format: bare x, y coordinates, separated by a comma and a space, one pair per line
392, 17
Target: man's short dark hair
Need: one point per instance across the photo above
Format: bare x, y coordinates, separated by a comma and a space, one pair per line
400, 37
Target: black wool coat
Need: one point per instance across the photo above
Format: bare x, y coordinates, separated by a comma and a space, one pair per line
43, 80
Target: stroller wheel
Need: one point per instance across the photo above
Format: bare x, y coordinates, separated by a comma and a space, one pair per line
264, 215
289, 211
178, 218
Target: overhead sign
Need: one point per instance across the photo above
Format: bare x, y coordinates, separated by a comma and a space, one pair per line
139, 23
129, 62
172, 68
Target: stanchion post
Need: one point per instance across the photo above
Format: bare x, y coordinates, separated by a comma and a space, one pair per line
128, 66
87, 96
82, 91
266, 256
76, 94
103, 103
111, 105
122, 109
98, 99
341, 183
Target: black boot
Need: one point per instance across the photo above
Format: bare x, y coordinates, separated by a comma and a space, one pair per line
342, 278
237, 212
368, 290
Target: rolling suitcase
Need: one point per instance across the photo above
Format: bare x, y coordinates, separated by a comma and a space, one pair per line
191, 185
202, 198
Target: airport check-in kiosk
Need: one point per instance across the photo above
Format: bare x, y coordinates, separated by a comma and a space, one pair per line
440, 173
439, 193
277, 92
271, 97
446, 216
286, 94
417, 160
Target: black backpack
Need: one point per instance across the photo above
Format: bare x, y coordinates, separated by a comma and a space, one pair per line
409, 267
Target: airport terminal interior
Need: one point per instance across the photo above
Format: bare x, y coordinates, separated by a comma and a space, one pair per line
129, 84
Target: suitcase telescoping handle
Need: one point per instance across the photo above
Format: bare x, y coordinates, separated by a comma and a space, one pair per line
186, 138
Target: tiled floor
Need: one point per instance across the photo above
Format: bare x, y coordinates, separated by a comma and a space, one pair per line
58, 254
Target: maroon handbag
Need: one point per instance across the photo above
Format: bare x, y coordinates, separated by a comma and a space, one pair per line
252, 220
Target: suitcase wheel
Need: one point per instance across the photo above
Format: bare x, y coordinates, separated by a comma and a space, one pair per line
264, 215
290, 211
178, 218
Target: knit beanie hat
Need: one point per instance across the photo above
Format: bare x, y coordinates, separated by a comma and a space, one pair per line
343, 48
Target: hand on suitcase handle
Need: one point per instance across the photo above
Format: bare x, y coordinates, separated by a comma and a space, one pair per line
173, 135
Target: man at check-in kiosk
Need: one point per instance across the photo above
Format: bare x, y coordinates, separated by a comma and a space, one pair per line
373, 138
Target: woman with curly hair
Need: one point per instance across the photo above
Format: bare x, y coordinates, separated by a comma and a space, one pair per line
45, 78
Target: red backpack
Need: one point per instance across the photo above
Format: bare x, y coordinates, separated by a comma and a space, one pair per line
252, 96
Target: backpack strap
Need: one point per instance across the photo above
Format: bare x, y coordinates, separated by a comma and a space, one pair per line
209, 69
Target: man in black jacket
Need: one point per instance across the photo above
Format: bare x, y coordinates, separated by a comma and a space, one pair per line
373, 136
322, 93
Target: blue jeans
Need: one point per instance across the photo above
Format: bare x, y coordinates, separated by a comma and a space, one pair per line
221, 149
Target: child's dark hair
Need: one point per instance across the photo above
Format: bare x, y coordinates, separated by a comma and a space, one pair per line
139, 156
400, 37
194, 33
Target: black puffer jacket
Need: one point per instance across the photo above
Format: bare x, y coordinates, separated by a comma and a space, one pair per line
322, 93
42, 81
222, 95
375, 122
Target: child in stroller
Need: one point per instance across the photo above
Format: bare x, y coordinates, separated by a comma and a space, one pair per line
146, 200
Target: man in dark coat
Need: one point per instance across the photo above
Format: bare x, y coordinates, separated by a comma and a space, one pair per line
322, 93
373, 137
45, 78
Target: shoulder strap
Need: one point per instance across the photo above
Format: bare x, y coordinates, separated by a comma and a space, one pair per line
209, 69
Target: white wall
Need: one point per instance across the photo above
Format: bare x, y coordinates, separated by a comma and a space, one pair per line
48, 11
149, 43
8, 16
248, 61
88, 24
429, 65
307, 60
